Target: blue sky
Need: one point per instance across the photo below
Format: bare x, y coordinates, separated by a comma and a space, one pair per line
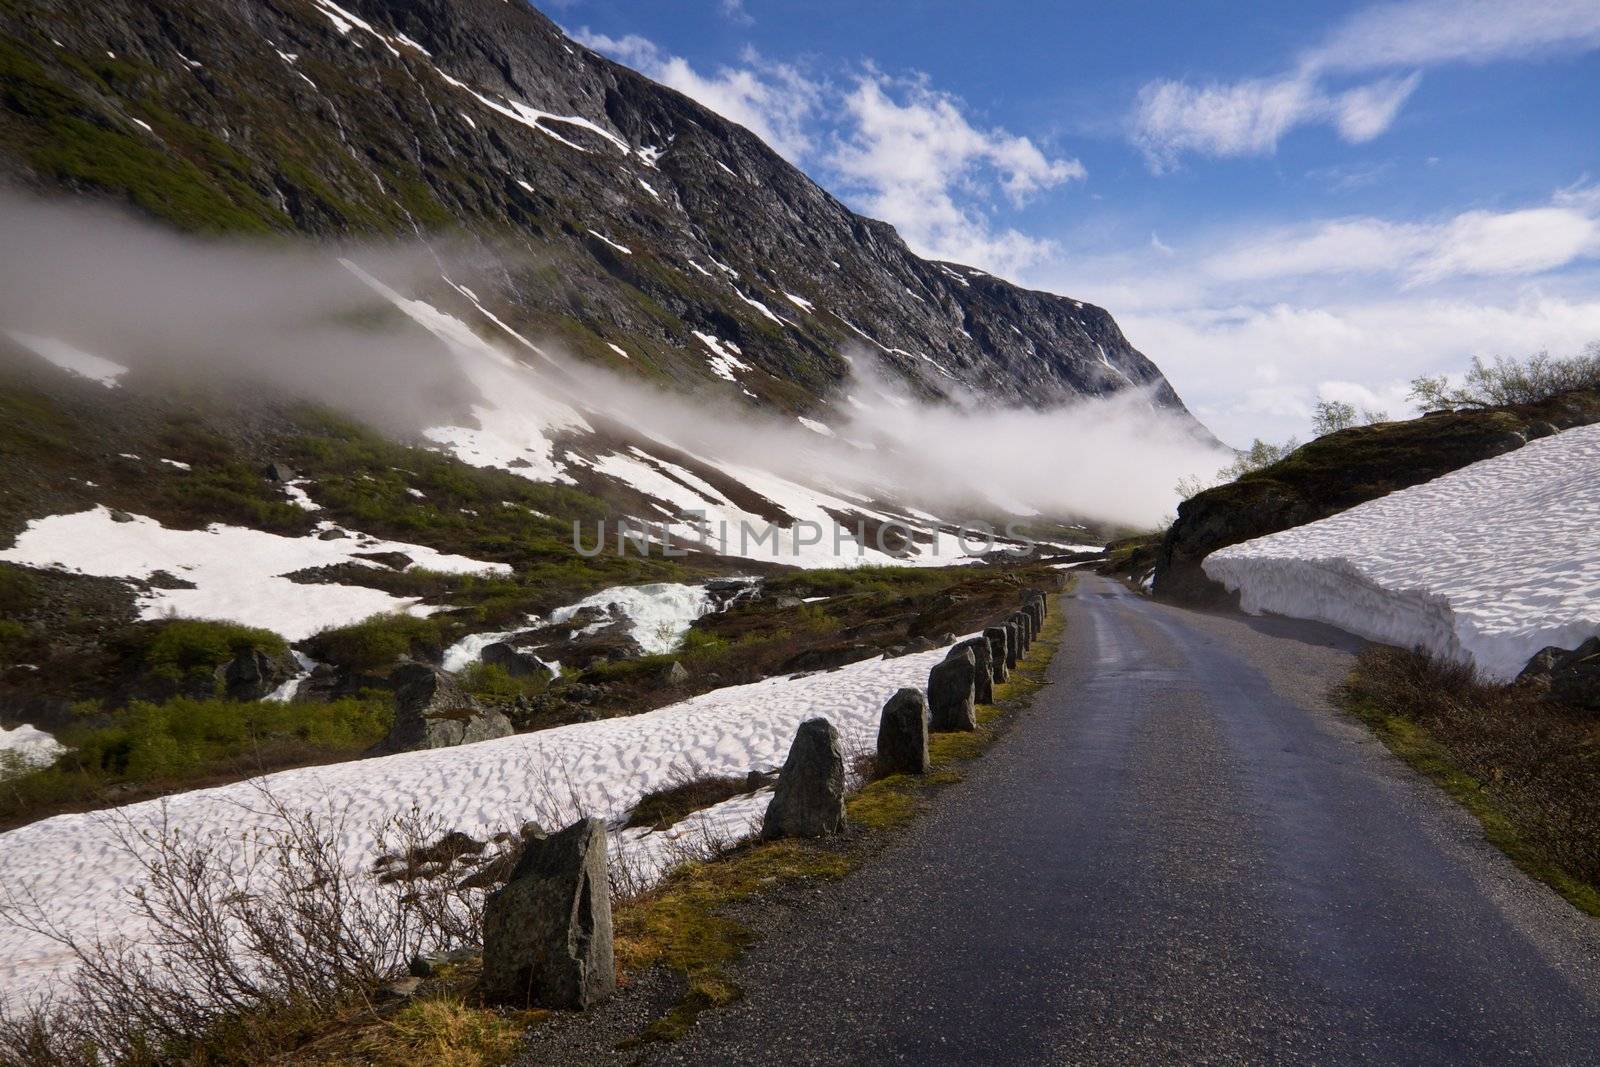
1279, 203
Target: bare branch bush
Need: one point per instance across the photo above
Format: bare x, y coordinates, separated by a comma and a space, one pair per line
277, 925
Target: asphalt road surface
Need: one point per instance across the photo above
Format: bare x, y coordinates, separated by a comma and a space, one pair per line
1179, 855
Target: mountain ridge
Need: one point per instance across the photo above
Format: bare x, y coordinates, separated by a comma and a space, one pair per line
406, 118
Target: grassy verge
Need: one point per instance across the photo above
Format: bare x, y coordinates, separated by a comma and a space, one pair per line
683, 924
1526, 768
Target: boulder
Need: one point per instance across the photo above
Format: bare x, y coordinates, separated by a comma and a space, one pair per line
677, 674
253, 674
809, 800
952, 688
547, 932
1543, 663
279, 472
1537, 430
903, 734
1575, 679
996, 636
334, 534
432, 711
983, 682
514, 661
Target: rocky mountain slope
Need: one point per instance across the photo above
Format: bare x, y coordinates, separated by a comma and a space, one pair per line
632, 226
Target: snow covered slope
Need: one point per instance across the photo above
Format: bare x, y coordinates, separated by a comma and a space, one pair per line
77, 870
1490, 563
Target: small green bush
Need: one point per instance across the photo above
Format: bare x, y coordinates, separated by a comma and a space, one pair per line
183, 647
18, 589
491, 682
12, 635
375, 642
182, 739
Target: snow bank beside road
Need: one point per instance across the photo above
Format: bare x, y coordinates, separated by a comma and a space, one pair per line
1487, 564
75, 869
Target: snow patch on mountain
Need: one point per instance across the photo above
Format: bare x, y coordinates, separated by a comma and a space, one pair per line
70, 359
238, 573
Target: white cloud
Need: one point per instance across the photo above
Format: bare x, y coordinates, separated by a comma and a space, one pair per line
1254, 370
907, 152
1471, 244
774, 101
733, 11
898, 149
1249, 117
1349, 309
1430, 32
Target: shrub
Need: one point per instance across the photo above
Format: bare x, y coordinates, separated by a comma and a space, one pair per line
375, 642
248, 957
1511, 381
18, 589
150, 744
12, 635
491, 682
182, 647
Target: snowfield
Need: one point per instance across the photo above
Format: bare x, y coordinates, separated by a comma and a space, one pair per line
237, 572
74, 868
1487, 564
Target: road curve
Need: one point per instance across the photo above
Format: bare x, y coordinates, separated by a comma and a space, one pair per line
1179, 855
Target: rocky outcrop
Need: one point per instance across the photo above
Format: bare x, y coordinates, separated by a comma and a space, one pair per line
903, 734
951, 692
547, 933
431, 710
809, 799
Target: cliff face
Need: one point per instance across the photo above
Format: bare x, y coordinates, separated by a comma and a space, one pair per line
620, 214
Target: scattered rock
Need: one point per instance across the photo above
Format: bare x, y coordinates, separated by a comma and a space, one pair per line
998, 660
397, 560
809, 801
168, 580
983, 657
432, 711
827, 658
547, 932
952, 691
903, 734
